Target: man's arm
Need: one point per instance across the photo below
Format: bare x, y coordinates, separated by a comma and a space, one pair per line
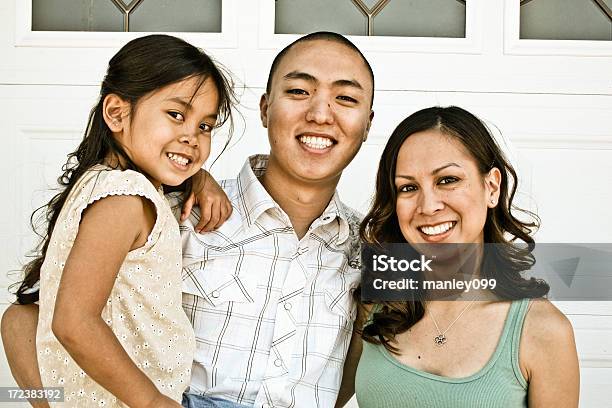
347, 387
19, 339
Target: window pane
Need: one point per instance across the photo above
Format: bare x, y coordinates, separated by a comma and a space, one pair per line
404, 18
422, 18
177, 15
301, 17
75, 15
565, 20
103, 15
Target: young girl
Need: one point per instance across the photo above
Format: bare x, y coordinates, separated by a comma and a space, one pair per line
111, 329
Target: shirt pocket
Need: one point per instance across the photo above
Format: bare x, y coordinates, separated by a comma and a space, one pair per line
220, 281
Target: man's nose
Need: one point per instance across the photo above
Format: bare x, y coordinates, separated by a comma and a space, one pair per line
320, 111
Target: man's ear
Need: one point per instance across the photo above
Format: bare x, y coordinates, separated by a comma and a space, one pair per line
114, 110
263, 110
367, 132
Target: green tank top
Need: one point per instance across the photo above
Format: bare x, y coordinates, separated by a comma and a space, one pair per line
383, 382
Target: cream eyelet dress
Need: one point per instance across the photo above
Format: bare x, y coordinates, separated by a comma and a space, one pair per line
144, 309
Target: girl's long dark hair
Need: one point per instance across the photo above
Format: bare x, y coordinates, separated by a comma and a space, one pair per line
504, 263
142, 66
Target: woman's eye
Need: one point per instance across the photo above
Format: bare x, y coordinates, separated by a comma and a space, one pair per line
177, 115
407, 188
448, 180
347, 98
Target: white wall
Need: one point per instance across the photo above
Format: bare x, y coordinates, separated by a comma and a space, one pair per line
551, 100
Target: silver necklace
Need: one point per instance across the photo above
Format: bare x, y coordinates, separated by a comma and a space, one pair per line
440, 339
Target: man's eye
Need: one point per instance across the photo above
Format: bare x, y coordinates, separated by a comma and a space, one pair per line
448, 180
297, 91
347, 98
176, 115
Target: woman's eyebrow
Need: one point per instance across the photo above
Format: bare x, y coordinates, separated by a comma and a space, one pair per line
439, 169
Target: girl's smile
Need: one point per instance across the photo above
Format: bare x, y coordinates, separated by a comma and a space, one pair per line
168, 133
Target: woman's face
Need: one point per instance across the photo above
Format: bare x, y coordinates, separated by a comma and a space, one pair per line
441, 195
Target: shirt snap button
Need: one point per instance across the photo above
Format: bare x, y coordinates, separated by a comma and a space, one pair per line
278, 362
287, 306
215, 294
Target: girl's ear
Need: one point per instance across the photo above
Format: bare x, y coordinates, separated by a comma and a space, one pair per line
492, 183
115, 110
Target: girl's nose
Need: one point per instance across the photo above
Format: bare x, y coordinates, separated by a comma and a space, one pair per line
189, 139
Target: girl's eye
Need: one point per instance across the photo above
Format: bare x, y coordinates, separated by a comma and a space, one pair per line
206, 128
297, 91
448, 180
407, 188
347, 99
177, 115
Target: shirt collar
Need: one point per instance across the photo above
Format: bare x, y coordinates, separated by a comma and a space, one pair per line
255, 200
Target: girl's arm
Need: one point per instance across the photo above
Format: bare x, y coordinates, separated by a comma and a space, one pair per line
109, 229
214, 205
548, 357
206, 193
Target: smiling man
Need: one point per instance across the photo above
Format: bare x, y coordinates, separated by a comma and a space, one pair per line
269, 292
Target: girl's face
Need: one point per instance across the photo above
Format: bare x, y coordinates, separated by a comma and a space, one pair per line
441, 195
168, 135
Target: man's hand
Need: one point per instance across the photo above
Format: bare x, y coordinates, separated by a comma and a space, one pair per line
214, 205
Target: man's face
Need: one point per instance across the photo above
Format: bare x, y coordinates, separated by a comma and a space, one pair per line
318, 111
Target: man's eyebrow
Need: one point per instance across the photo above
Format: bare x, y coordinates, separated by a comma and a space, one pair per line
310, 78
439, 169
348, 82
300, 75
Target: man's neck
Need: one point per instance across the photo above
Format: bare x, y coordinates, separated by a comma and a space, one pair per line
303, 202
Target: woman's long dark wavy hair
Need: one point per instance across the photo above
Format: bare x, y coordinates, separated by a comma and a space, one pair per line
142, 66
503, 262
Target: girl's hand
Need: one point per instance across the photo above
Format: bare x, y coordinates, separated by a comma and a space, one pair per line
214, 205
161, 401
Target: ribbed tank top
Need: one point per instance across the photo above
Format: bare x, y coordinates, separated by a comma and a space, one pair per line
383, 382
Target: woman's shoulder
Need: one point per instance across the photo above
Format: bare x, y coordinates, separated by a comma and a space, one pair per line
547, 336
544, 319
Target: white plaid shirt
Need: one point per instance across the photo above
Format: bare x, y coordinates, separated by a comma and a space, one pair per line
273, 315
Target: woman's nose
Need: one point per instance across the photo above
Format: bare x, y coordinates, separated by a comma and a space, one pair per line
430, 202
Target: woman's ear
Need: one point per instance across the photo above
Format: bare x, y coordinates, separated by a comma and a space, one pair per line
492, 183
115, 111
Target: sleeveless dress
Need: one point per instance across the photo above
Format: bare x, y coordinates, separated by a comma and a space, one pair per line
383, 382
144, 309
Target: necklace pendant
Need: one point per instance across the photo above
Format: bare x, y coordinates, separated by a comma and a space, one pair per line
440, 340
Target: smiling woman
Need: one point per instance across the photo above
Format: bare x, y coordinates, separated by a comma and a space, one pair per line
443, 179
